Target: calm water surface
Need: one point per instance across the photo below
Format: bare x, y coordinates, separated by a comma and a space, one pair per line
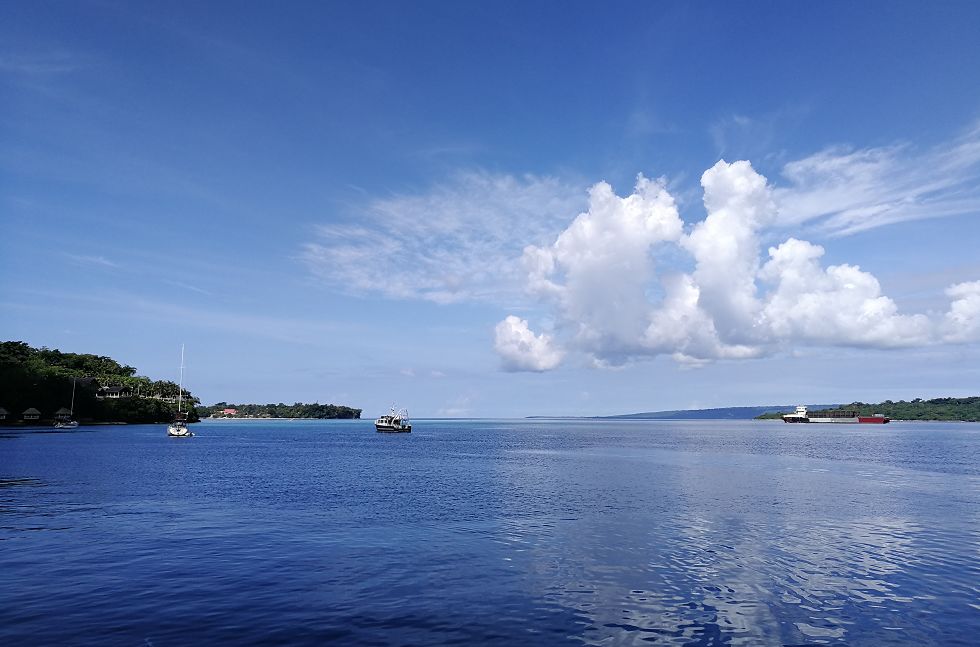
484, 532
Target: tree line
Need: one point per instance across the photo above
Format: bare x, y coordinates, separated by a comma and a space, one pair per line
956, 409
42, 378
281, 410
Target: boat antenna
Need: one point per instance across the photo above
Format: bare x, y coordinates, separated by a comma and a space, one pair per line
180, 385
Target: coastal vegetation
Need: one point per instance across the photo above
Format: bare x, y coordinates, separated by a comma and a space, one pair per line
105, 390
956, 409
281, 410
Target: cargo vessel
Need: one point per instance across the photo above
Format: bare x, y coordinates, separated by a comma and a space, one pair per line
839, 416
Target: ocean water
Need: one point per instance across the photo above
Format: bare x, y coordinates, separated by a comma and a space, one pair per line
492, 532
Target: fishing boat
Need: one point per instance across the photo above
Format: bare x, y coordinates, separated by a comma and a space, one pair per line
69, 422
393, 422
178, 428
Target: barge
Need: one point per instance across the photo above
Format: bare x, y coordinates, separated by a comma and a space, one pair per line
839, 416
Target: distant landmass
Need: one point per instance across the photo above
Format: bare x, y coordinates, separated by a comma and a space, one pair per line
280, 410
41, 385
951, 409
718, 413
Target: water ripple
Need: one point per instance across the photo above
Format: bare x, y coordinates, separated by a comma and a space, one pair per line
509, 533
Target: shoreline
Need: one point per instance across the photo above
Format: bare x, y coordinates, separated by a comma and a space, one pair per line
235, 418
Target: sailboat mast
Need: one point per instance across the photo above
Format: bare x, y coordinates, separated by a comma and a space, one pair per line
180, 386
72, 396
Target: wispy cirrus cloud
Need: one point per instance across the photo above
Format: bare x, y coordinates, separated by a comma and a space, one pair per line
736, 131
845, 191
453, 243
92, 261
128, 305
188, 286
757, 136
40, 64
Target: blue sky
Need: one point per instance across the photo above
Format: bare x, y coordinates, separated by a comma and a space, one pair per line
376, 203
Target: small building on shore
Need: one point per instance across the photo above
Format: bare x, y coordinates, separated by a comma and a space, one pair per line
62, 414
32, 414
114, 392
3, 413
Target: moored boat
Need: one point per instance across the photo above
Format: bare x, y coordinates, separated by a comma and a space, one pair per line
797, 416
178, 428
393, 422
839, 417
67, 421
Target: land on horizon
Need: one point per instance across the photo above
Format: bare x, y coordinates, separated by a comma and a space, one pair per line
935, 409
107, 391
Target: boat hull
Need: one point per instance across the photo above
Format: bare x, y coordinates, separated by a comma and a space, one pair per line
388, 429
857, 420
179, 431
395, 422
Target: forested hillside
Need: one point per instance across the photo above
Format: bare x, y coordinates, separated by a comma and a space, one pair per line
962, 409
42, 378
281, 410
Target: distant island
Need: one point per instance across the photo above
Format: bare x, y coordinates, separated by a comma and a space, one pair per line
951, 409
939, 409
281, 410
36, 389
718, 413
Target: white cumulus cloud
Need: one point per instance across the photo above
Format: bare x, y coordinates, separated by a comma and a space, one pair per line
962, 322
726, 248
521, 350
610, 305
597, 271
839, 305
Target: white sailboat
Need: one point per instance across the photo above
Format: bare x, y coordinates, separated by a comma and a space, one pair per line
70, 423
178, 428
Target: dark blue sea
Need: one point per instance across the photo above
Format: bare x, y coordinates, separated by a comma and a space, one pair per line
492, 532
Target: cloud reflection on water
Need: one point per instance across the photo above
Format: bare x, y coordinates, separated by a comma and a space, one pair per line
655, 547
